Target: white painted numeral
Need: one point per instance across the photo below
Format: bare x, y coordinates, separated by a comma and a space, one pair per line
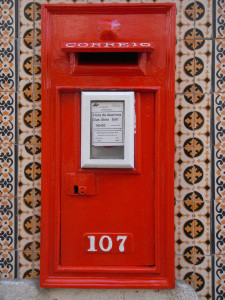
123, 239
109, 243
107, 247
92, 243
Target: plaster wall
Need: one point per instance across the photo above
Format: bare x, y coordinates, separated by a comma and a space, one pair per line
29, 290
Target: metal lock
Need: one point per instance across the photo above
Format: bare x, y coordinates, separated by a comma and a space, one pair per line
80, 184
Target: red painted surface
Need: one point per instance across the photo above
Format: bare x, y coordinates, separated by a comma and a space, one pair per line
136, 203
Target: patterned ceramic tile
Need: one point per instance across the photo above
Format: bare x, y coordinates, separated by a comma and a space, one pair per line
36, 248
202, 142
26, 12
37, 36
37, 4
184, 227
26, 118
219, 219
37, 167
37, 92
184, 174
203, 60
220, 19
26, 65
36, 264
202, 173
220, 66
7, 18
219, 154
26, 170
32, 92
114, 1
202, 226
219, 118
7, 170
37, 51
180, 4
202, 120
203, 18
25, 224
185, 65
219, 263
37, 112
37, 32
37, 69
185, 24
37, 198
37, 80
120, 1
7, 117
7, 65
7, 264
202, 281
7, 216
25, 265
37, 224
184, 269
184, 113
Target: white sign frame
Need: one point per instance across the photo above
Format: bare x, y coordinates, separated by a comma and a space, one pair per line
129, 123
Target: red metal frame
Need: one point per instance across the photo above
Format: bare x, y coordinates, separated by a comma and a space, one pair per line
161, 275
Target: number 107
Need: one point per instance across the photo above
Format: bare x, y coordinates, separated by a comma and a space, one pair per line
104, 243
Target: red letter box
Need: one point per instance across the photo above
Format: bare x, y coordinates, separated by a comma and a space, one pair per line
107, 162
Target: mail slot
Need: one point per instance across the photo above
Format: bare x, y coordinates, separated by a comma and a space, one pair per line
108, 149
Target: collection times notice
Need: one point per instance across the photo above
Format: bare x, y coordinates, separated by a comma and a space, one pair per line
107, 123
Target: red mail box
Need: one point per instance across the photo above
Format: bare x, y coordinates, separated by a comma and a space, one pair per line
108, 131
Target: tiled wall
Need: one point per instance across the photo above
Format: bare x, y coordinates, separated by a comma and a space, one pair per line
199, 138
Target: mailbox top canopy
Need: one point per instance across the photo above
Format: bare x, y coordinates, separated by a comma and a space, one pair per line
138, 28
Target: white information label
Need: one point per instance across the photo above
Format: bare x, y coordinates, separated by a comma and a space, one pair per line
107, 123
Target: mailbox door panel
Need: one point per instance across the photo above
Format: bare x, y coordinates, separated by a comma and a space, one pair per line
114, 227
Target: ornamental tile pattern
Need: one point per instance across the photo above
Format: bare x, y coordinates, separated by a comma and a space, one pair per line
199, 139
219, 208
202, 69
203, 18
219, 272
184, 111
7, 117
202, 279
185, 65
7, 221
220, 19
7, 170
7, 264
7, 19
219, 117
220, 66
26, 265
7, 64
185, 268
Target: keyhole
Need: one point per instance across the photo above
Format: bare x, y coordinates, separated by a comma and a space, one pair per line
75, 189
